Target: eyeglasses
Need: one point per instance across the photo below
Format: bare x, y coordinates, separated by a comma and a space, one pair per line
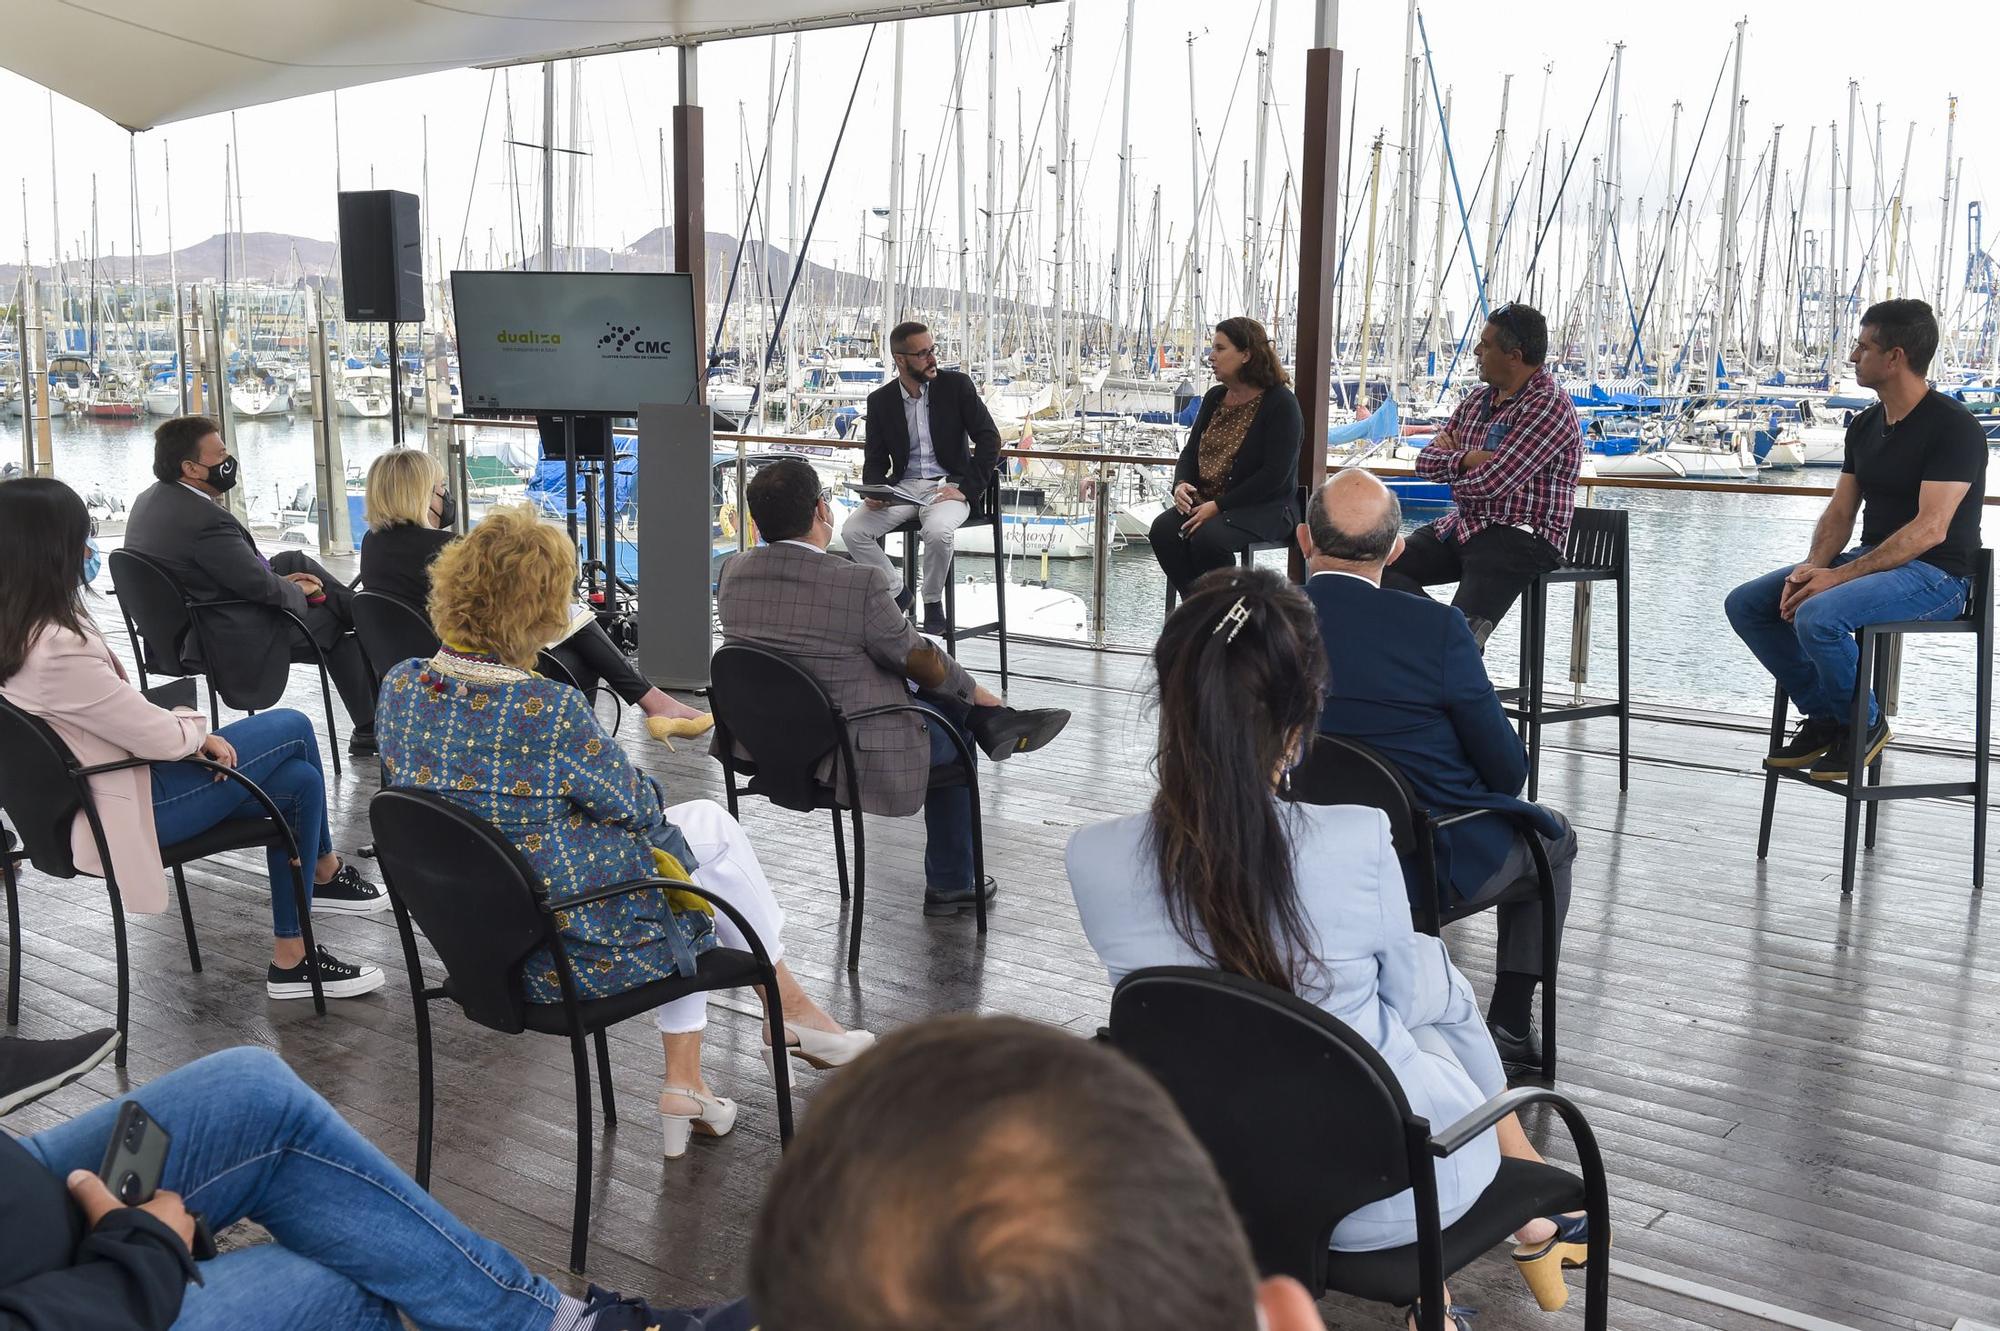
826, 494
1505, 317
926, 353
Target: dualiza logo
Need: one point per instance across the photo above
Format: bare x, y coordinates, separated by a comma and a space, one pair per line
620, 340
530, 337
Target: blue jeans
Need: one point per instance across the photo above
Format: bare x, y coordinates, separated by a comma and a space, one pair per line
947, 810
356, 1238
278, 751
1813, 657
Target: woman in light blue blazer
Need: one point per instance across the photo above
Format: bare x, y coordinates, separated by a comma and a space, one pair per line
1306, 898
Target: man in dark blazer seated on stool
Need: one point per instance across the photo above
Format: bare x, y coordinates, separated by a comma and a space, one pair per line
919, 427
181, 523
1408, 681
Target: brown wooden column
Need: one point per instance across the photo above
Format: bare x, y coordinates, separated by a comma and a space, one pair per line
690, 215
1318, 252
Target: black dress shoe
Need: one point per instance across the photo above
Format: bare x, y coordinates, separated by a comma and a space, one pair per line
954, 900
361, 744
1518, 1053
934, 620
904, 599
1011, 730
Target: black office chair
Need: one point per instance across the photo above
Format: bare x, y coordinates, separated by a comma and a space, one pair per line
485, 912
985, 512
1306, 1124
780, 717
1338, 770
43, 788
392, 631
1599, 549
159, 613
1976, 620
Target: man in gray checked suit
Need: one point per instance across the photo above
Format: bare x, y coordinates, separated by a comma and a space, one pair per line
839, 621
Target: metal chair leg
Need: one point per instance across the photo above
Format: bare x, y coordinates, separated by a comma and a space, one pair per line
604, 1076
579, 1230
781, 1071
1000, 591
978, 854
1982, 730
1538, 650
13, 942
124, 975
303, 901
1624, 678
840, 853
1771, 775
332, 730
187, 920
420, 1001
860, 888
1857, 739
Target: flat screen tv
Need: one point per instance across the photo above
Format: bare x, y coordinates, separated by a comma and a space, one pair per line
575, 342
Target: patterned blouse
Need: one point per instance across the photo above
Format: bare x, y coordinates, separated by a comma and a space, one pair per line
527, 754
1221, 441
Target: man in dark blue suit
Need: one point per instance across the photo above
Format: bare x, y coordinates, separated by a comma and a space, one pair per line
1408, 680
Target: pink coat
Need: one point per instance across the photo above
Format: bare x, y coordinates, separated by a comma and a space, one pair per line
78, 687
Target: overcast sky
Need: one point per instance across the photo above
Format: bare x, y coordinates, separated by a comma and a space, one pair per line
1799, 57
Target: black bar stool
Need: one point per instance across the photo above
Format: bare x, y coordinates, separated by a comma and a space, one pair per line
985, 510
1977, 620
1599, 549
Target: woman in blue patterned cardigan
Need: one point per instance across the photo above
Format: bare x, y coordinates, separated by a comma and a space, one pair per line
527, 754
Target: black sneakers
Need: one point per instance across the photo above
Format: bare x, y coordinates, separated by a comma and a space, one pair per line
337, 979
30, 1069
606, 1311
1011, 731
348, 893
1808, 742
1832, 765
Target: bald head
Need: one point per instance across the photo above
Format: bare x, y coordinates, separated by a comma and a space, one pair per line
1352, 521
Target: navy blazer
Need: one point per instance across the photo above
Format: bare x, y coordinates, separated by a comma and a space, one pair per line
958, 417
1408, 680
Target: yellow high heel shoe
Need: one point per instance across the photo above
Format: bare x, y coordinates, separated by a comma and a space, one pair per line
667, 729
1542, 1264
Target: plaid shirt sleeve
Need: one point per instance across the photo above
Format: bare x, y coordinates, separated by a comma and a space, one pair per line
1441, 464
1539, 431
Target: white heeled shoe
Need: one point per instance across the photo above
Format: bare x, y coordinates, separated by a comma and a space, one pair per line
824, 1049
717, 1117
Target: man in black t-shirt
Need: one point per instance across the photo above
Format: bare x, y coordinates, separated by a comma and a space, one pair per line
1915, 473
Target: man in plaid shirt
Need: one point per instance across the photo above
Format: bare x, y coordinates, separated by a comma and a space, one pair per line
1510, 455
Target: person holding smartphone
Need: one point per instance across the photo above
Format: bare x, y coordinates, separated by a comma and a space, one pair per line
357, 1244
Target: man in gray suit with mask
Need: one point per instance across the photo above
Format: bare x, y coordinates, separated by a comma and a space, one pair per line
839, 621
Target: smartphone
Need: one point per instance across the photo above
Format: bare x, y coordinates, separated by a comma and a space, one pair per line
136, 1156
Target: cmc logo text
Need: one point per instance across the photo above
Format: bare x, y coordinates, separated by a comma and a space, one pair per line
531, 338
619, 339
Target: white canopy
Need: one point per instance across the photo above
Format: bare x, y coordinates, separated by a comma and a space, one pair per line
143, 63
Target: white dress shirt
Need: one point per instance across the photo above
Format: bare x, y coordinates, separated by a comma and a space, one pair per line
923, 454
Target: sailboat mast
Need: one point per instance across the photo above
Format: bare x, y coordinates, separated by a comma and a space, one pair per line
1119, 258
1253, 258
1059, 381
892, 247
1368, 276
1497, 176
1668, 341
1437, 257
792, 256
1194, 219
962, 57
1944, 200
992, 182
549, 171
1726, 267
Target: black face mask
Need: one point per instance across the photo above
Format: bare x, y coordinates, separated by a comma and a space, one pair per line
222, 476
445, 509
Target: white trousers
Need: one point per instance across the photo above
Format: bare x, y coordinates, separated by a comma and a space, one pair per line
729, 867
864, 529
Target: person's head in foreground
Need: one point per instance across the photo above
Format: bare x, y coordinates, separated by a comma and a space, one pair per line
1241, 677
1353, 524
406, 487
1512, 346
789, 502
504, 590
992, 1174
1896, 342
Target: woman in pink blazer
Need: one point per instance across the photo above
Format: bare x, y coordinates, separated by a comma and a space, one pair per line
55, 665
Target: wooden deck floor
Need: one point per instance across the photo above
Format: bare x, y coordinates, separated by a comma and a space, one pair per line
1798, 1095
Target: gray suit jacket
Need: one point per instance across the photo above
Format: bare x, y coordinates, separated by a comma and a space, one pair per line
215, 558
839, 621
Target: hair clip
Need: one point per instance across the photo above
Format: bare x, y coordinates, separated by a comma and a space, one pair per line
1232, 619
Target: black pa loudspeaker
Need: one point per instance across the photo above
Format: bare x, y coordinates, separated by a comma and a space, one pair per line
381, 256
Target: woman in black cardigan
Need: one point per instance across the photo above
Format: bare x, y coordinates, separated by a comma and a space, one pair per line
1237, 479
410, 515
